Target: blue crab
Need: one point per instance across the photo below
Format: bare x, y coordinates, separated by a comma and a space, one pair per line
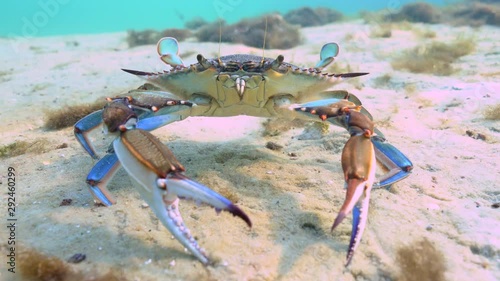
232, 85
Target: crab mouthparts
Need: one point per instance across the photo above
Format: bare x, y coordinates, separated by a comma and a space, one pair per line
240, 86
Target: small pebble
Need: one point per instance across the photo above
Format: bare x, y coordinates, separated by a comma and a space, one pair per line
474, 135
273, 146
429, 227
148, 261
63, 145
66, 202
144, 205
172, 263
77, 258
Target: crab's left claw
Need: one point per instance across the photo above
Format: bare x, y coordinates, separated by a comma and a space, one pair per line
159, 175
327, 55
358, 164
168, 49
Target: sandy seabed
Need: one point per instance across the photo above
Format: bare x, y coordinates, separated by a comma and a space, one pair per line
292, 201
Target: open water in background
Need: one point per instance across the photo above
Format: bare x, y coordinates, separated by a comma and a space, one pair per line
62, 17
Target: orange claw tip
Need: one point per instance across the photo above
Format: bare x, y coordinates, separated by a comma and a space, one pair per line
340, 217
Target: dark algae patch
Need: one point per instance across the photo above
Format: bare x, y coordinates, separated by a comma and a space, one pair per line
21, 147
420, 261
37, 266
69, 115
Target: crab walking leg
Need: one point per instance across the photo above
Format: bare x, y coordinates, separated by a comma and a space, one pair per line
358, 164
398, 164
100, 175
158, 174
82, 129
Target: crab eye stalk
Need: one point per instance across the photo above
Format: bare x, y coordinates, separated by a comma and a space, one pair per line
277, 62
168, 49
203, 61
327, 55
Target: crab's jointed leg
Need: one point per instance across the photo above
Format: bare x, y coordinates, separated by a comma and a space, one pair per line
83, 127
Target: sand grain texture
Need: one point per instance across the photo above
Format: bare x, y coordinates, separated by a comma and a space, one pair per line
292, 201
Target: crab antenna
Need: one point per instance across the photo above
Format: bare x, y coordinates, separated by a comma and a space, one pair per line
264, 44
220, 40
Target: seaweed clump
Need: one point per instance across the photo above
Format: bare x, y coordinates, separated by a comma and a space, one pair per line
492, 112
421, 261
69, 115
151, 37
416, 12
280, 34
36, 266
306, 16
435, 58
22, 147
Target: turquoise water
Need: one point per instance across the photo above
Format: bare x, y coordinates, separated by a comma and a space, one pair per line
61, 17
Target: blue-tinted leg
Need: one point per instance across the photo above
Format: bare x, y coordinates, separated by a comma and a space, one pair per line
152, 123
83, 127
395, 161
99, 176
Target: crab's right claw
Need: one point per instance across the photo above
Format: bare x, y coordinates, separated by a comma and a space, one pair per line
158, 174
358, 164
168, 49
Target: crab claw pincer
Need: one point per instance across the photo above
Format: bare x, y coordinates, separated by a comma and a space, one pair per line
358, 164
154, 167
